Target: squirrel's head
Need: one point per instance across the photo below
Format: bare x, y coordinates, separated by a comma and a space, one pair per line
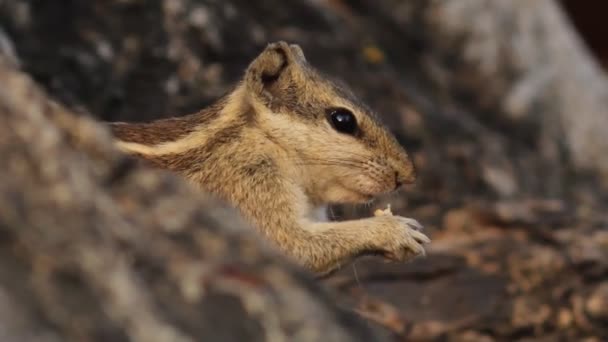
342, 151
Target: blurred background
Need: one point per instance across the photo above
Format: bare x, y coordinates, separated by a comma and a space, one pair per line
502, 104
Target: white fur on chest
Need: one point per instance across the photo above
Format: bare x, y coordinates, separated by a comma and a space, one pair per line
319, 214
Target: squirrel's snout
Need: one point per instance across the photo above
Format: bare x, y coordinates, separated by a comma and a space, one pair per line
405, 174
402, 180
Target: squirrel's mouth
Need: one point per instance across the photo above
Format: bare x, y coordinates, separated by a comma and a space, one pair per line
375, 188
361, 189
362, 196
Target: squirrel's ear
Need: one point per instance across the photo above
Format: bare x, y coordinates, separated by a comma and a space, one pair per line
273, 67
297, 52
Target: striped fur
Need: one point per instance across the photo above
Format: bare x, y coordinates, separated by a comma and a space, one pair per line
268, 149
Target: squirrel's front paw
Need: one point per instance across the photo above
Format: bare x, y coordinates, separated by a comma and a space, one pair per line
402, 238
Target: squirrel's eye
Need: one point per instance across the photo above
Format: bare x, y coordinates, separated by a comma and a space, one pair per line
342, 120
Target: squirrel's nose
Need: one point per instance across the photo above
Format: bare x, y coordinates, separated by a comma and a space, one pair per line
407, 175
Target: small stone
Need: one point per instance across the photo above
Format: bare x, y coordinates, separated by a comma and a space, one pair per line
564, 318
597, 303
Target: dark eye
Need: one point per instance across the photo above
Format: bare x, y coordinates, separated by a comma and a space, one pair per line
342, 120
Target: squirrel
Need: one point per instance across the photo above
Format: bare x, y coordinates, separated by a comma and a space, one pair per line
284, 142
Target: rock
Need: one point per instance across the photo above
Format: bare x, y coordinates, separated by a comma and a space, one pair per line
95, 247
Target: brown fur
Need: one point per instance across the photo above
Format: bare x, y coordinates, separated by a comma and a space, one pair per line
269, 149
160, 131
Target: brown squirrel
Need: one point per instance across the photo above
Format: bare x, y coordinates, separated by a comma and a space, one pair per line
284, 142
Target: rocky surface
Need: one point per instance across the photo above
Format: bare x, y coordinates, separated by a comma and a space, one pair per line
95, 248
